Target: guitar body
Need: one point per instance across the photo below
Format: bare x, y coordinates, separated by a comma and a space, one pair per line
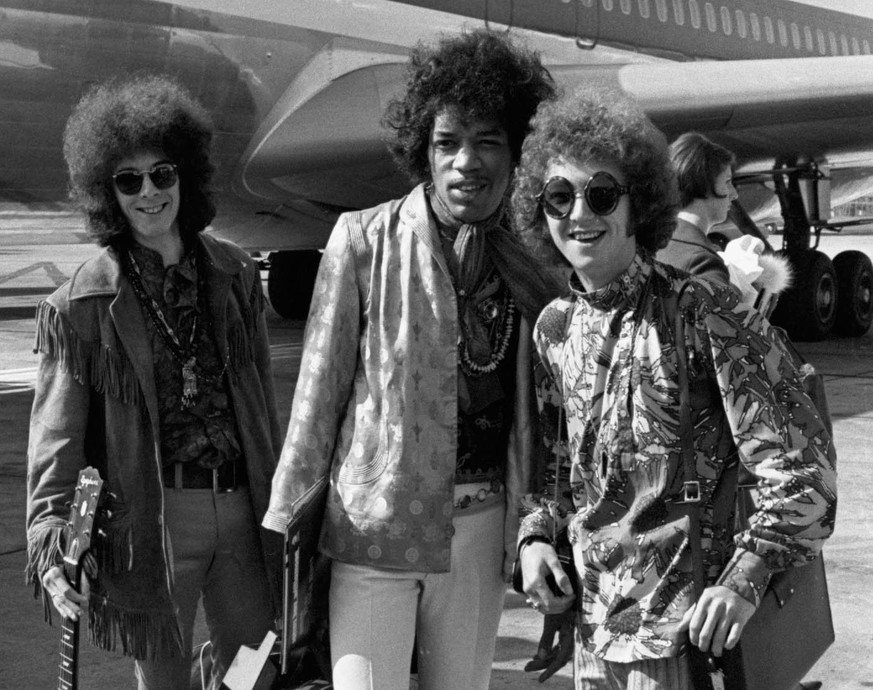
78, 534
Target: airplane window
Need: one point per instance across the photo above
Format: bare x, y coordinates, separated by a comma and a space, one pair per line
661, 9
741, 24
726, 24
783, 33
625, 6
607, 5
694, 11
795, 36
588, 3
844, 43
822, 46
679, 12
866, 47
768, 30
710, 17
856, 49
807, 34
832, 37
756, 27
645, 10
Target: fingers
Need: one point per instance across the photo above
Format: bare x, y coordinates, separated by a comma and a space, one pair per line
540, 563
718, 620
66, 600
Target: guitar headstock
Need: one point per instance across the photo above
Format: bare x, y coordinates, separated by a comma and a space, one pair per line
80, 527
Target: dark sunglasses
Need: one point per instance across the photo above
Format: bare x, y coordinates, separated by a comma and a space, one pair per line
602, 193
162, 175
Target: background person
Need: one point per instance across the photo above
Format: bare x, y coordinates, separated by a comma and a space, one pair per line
595, 190
414, 390
154, 368
704, 173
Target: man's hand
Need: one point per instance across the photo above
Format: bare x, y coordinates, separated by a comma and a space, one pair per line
67, 601
716, 622
539, 561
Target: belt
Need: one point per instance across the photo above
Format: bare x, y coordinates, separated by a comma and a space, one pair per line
229, 476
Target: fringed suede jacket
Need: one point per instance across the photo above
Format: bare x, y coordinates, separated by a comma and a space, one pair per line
96, 404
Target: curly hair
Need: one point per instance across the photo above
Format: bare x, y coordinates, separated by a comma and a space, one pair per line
478, 75
697, 162
597, 124
123, 117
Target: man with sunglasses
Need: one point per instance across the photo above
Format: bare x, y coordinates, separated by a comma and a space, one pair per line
414, 386
155, 370
595, 192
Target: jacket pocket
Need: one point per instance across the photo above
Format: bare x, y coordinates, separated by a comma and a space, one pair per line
363, 473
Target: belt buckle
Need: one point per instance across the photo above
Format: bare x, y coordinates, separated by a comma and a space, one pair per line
691, 492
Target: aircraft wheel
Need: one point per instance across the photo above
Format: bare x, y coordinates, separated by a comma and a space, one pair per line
808, 309
855, 281
290, 282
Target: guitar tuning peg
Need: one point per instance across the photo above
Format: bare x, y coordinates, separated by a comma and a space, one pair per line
101, 534
106, 513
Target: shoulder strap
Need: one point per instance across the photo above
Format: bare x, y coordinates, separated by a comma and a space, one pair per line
691, 485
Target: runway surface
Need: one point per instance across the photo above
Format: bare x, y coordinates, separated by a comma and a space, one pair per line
31, 266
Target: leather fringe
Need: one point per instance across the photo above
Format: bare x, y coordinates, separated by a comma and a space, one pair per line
43, 552
90, 363
142, 634
114, 552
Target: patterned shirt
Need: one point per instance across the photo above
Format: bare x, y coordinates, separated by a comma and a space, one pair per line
206, 432
611, 361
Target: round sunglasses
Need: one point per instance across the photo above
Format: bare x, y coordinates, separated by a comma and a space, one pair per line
162, 175
602, 193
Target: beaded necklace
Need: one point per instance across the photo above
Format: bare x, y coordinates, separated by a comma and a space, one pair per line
488, 310
186, 356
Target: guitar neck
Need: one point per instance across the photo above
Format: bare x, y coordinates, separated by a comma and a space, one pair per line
68, 654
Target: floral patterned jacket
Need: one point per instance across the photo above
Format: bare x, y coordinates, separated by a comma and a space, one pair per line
376, 403
611, 362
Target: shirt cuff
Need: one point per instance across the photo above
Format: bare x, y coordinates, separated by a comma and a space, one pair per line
747, 575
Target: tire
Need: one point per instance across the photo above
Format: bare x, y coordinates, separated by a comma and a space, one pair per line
855, 281
808, 310
290, 281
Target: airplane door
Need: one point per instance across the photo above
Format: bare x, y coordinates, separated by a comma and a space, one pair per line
572, 18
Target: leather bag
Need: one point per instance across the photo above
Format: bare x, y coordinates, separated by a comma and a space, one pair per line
793, 627
305, 651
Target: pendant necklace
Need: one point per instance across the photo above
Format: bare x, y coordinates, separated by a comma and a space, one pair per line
191, 370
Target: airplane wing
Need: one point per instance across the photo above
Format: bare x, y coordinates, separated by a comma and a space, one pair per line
766, 111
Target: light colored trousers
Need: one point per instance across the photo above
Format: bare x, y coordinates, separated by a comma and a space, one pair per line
376, 614
215, 551
593, 673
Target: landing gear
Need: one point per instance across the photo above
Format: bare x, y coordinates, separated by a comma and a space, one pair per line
855, 281
808, 310
290, 282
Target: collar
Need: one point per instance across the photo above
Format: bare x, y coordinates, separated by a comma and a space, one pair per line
101, 275
624, 289
692, 218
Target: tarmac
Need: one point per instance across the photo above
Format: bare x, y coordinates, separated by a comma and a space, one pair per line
31, 266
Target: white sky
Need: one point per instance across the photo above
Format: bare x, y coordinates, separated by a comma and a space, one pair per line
860, 7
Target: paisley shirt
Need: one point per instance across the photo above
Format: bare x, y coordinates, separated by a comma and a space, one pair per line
206, 432
610, 359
